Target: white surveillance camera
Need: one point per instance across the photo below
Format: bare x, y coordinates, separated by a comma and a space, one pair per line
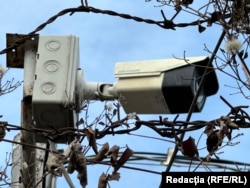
144, 87
165, 86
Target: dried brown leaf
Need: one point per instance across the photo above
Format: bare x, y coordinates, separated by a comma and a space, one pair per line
209, 129
123, 159
201, 28
229, 123
67, 151
81, 167
90, 133
113, 153
78, 162
224, 130
103, 181
102, 153
189, 148
114, 176
214, 140
53, 164
76, 149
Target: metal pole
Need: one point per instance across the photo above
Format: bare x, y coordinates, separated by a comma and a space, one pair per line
27, 162
28, 168
16, 163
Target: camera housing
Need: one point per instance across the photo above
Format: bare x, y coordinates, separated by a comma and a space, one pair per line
165, 86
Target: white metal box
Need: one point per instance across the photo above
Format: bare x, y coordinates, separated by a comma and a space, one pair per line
55, 83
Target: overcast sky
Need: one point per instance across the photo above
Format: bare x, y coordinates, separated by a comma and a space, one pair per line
105, 40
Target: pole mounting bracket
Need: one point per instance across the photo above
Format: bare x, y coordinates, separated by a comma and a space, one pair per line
16, 45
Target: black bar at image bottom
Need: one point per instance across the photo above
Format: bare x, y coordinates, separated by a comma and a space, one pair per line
205, 179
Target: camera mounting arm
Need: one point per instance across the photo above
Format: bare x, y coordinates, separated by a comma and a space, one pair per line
98, 91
